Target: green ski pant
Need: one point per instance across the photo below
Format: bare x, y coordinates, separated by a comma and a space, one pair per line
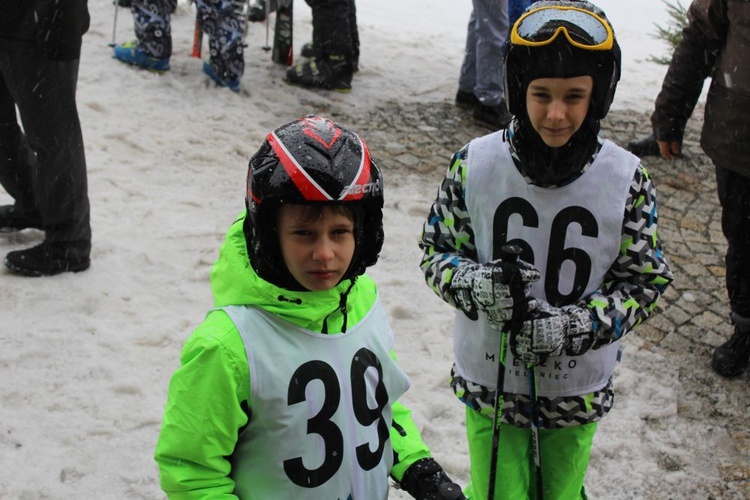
565, 456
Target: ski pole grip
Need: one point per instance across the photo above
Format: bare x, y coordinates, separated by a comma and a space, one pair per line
510, 253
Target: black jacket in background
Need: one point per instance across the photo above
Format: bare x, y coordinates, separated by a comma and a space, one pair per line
715, 43
56, 25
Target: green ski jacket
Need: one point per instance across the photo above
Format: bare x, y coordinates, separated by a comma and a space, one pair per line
207, 403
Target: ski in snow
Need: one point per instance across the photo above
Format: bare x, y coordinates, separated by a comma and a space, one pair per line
283, 50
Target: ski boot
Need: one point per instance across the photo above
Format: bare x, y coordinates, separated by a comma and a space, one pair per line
233, 85
731, 358
330, 73
256, 11
307, 51
129, 53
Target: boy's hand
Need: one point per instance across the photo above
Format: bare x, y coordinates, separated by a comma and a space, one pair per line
493, 288
550, 331
425, 480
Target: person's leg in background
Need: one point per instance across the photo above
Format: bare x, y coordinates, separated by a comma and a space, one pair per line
731, 358
15, 172
487, 32
333, 47
491, 32
152, 47
57, 162
467, 77
222, 21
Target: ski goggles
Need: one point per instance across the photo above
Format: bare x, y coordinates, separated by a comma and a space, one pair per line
582, 28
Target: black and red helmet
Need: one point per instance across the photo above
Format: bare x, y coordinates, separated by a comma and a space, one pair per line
312, 160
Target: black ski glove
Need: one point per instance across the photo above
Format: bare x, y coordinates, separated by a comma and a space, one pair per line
425, 480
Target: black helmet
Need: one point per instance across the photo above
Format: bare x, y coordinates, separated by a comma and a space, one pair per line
312, 160
562, 39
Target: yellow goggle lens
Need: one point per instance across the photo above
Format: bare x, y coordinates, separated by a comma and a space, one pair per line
582, 28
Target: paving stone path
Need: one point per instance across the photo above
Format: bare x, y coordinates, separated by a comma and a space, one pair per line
692, 318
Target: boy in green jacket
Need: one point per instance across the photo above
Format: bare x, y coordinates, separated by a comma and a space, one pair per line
289, 387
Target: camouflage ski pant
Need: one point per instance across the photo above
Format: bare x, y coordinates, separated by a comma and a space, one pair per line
221, 20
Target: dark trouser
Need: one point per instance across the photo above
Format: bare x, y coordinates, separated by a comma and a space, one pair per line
44, 170
734, 195
335, 28
482, 66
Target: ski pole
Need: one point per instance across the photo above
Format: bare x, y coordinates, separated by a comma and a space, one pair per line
508, 253
535, 430
246, 12
114, 24
267, 47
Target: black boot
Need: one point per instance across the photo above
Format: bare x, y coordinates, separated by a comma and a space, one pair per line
13, 220
644, 147
308, 51
256, 11
330, 73
731, 358
50, 258
492, 117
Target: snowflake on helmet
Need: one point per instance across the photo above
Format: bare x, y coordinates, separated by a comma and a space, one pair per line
312, 161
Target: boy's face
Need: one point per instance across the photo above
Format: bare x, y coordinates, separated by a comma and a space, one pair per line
558, 106
317, 243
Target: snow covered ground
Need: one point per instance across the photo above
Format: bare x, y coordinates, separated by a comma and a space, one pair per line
86, 358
